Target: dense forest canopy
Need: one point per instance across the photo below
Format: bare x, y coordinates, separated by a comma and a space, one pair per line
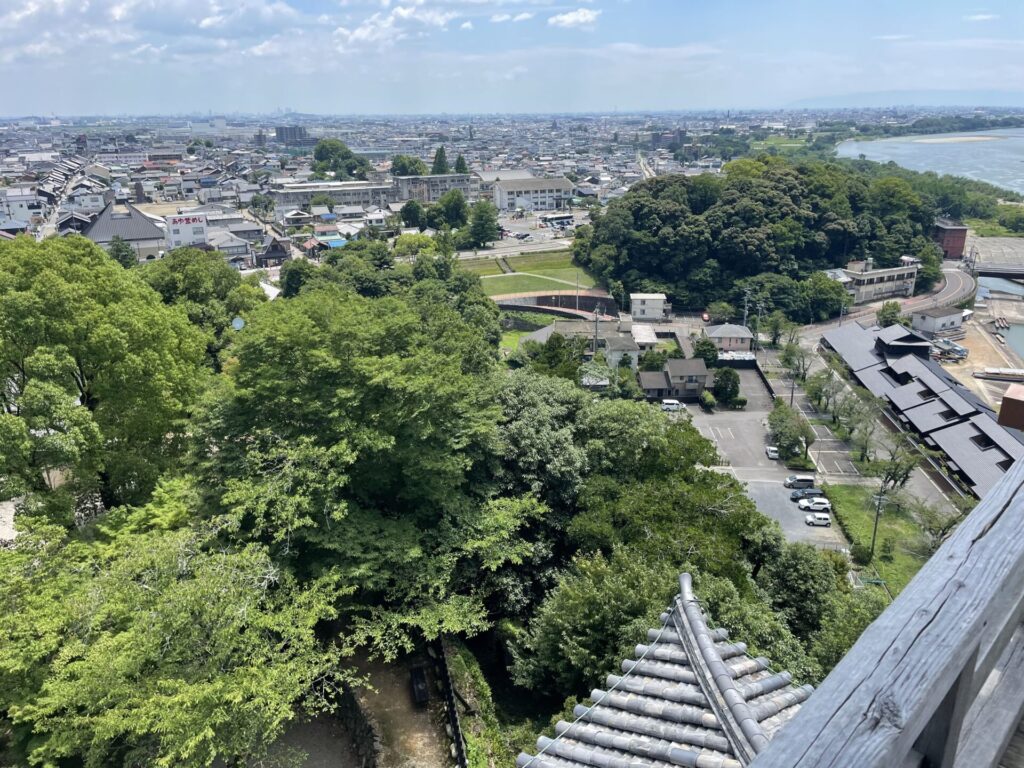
216, 519
771, 222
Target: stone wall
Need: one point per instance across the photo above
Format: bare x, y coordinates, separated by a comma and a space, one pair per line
362, 728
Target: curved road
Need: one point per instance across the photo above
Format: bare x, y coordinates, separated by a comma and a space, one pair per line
958, 286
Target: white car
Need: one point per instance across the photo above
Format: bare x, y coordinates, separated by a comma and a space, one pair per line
672, 405
816, 505
771, 452
818, 518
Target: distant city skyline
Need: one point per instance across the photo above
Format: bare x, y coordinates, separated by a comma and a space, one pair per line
502, 56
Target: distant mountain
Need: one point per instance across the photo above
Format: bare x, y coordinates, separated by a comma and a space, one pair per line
914, 98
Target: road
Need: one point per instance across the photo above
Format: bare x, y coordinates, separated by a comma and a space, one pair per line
957, 286
741, 437
645, 167
516, 248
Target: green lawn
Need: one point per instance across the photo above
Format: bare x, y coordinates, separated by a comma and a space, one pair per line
520, 284
853, 506
990, 228
556, 264
480, 266
510, 339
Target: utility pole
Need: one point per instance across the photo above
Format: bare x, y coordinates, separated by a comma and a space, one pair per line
878, 514
746, 299
597, 314
760, 307
577, 290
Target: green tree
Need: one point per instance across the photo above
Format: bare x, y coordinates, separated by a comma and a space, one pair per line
777, 322
322, 198
591, 621
889, 314
799, 583
211, 292
122, 253
262, 204
155, 646
334, 157
411, 245
721, 311
727, 385
440, 165
412, 214
453, 209
845, 617
406, 165
789, 431
705, 349
98, 373
295, 273
460, 164
345, 433
483, 225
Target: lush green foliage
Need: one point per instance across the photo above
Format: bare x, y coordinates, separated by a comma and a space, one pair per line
333, 157
698, 238
361, 474
440, 164
98, 375
406, 165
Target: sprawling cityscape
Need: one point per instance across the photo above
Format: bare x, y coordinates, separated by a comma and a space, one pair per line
506, 426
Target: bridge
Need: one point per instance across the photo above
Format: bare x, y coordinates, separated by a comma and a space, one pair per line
1009, 271
582, 303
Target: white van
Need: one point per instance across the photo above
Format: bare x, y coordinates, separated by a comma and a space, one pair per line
818, 518
672, 405
799, 481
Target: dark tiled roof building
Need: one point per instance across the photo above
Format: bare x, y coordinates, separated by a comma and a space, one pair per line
689, 698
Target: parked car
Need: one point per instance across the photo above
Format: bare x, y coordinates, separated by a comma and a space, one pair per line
672, 405
771, 452
817, 504
799, 481
805, 493
818, 518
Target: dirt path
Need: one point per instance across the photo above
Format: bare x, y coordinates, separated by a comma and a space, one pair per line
413, 737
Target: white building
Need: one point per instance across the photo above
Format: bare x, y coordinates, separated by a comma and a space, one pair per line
533, 194
936, 321
864, 283
187, 229
649, 307
430, 189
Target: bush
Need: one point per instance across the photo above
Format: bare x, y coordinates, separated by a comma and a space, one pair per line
861, 554
707, 401
738, 403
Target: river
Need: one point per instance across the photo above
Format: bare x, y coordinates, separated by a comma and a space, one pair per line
993, 156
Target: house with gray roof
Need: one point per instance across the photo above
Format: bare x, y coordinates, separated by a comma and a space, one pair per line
146, 238
728, 337
680, 379
688, 698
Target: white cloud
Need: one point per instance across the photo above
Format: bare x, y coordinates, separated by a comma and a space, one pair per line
981, 17
524, 16
500, 17
891, 38
581, 17
466, 25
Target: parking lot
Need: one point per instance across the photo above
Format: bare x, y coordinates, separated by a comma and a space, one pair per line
741, 437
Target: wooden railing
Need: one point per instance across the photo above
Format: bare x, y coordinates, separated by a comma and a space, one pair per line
938, 679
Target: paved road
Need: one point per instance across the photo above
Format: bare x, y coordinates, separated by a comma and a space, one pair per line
741, 437
957, 286
516, 248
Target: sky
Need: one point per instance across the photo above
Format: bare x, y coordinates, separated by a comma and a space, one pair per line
69, 57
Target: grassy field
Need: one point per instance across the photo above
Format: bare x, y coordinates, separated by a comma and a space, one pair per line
854, 506
510, 339
556, 264
494, 286
480, 266
990, 228
782, 143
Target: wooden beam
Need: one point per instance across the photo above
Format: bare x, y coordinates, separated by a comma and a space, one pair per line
876, 703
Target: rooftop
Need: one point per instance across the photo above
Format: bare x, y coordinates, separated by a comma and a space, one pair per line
689, 698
